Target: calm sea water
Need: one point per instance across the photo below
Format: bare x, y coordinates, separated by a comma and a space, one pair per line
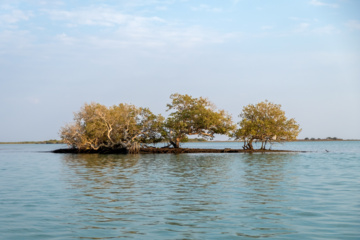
313, 195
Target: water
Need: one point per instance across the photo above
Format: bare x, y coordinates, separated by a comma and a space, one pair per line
313, 195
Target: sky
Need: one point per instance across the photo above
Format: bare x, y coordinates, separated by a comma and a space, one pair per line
57, 55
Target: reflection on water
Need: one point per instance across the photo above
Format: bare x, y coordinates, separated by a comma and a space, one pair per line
186, 196
265, 175
181, 195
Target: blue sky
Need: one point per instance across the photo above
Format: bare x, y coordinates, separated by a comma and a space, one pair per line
56, 55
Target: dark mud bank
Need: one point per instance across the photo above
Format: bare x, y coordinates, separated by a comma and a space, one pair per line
169, 150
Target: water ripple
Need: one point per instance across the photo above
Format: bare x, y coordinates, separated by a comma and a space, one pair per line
189, 196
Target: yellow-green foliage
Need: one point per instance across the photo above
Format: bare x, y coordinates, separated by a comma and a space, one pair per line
195, 116
118, 126
265, 122
125, 126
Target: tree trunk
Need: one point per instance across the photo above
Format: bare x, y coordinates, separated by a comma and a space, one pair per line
176, 143
266, 141
262, 145
250, 146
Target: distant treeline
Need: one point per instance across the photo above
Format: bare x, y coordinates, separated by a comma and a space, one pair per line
323, 139
51, 141
195, 140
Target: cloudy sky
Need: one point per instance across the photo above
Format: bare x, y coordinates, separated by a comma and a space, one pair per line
56, 55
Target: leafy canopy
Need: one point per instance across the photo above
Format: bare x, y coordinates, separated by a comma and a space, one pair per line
194, 116
120, 126
265, 122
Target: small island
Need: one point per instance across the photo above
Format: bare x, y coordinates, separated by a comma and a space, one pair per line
156, 150
126, 128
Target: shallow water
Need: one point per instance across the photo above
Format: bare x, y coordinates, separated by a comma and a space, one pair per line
313, 195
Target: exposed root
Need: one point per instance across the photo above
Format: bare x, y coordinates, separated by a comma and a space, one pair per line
134, 148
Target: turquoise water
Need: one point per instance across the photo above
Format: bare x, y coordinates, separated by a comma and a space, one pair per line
313, 195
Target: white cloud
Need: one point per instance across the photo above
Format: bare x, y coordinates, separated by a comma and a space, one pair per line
267, 27
326, 30
161, 8
99, 17
130, 30
148, 3
206, 8
13, 16
154, 37
52, 2
302, 27
64, 38
297, 19
319, 3
353, 24
307, 28
14, 41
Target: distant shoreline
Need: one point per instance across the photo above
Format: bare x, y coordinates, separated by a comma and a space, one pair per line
303, 140
35, 142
